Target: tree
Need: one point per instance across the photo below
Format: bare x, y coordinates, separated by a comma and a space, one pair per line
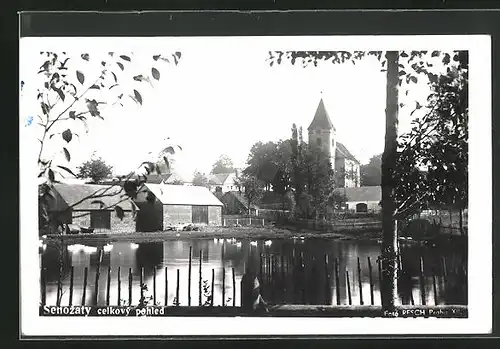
252, 188
434, 156
68, 98
320, 182
223, 165
395, 77
199, 179
96, 169
371, 173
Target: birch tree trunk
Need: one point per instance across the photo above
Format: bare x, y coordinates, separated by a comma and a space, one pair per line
389, 158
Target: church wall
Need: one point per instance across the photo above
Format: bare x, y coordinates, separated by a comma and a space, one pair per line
372, 206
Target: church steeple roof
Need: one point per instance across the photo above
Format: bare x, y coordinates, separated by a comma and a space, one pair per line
321, 118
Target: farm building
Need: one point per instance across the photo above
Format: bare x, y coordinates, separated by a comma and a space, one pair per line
165, 205
236, 203
222, 182
91, 206
362, 199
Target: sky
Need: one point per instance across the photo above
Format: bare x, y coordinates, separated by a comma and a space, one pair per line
220, 99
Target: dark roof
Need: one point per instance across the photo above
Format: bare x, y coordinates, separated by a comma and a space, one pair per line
70, 194
218, 178
321, 119
341, 151
361, 193
169, 194
241, 198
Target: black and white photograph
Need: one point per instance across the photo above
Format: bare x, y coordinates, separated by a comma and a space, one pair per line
253, 186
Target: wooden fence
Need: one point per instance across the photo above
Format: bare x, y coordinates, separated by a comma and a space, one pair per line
243, 221
274, 270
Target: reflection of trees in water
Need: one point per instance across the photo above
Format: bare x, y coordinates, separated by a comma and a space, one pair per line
149, 256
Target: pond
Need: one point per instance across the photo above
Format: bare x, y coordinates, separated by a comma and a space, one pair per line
277, 262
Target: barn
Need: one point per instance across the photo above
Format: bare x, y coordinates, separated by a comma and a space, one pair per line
165, 205
91, 206
362, 199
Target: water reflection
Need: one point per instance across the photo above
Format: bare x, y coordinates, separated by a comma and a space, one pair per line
291, 271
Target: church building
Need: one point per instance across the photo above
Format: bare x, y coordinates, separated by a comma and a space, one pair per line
322, 134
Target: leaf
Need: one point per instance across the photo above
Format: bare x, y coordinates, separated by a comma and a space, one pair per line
435, 53
113, 86
156, 57
92, 107
178, 54
155, 73
98, 202
51, 175
167, 162
67, 170
404, 54
401, 73
446, 59
59, 92
125, 58
95, 87
120, 65
169, 150
114, 77
85, 56
67, 135
45, 108
66, 154
413, 79
138, 78
119, 212
138, 96
72, 115
80, 77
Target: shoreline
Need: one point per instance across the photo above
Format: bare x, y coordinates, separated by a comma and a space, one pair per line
250, 233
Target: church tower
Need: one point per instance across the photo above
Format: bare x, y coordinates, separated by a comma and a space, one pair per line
322, 132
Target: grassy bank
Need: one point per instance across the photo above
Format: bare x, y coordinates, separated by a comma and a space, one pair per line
252, 233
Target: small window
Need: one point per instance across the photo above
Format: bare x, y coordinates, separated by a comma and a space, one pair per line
318, 141
100, 219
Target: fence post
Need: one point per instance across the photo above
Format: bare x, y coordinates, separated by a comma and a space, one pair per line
422, 282
154, 285
360, 284
43, 282
166, 286
328, 296
189, 274
108, 285
213, 291
98, 267
337, 280
142, 284
119, 287
372, 298
130, 286
200, 279
348, 287
85, 274
250, 221
234, 289
223, 286
177, 300
71, 285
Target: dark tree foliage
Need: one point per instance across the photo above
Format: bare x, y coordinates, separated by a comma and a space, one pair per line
95, 169
223, 165
371, 172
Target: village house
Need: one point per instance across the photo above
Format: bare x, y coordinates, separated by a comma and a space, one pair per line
91, 206
362, 199
222, 182
235, 203
165, 205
